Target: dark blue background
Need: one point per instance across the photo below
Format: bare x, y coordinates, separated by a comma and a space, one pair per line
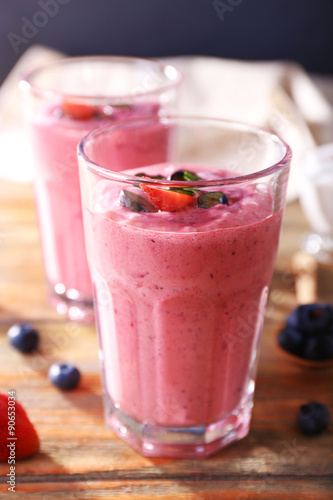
299, 30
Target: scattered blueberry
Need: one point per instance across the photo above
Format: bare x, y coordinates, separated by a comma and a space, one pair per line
135, 202
208, 200
313, 418
65, 376
24, 337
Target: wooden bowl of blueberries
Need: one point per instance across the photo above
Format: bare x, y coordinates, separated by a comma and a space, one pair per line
307, 337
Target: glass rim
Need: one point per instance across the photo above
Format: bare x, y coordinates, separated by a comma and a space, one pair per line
26, 84
123, 177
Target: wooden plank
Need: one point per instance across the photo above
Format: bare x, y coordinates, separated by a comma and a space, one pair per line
81, 458
265, 488
22, 291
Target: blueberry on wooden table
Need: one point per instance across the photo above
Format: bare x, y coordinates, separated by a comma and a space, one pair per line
313, 418
65, 376
23, 337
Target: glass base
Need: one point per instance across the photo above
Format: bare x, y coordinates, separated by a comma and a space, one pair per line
152, 440
70, 303
319, 246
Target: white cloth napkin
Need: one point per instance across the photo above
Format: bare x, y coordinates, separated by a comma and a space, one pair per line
280, 96
16, 157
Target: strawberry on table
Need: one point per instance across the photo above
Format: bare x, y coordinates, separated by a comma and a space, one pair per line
168, 200
27, 441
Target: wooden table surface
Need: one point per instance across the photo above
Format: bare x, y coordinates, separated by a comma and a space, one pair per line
81, 458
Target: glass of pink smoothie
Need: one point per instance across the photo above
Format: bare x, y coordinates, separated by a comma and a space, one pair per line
181, 252
67, 99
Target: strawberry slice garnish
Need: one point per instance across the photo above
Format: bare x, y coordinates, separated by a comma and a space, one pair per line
77, 111
167, 200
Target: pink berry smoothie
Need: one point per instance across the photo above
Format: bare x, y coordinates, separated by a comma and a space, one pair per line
55, 137
180, 300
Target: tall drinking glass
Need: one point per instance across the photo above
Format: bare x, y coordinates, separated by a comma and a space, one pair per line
181, 251
68, 98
